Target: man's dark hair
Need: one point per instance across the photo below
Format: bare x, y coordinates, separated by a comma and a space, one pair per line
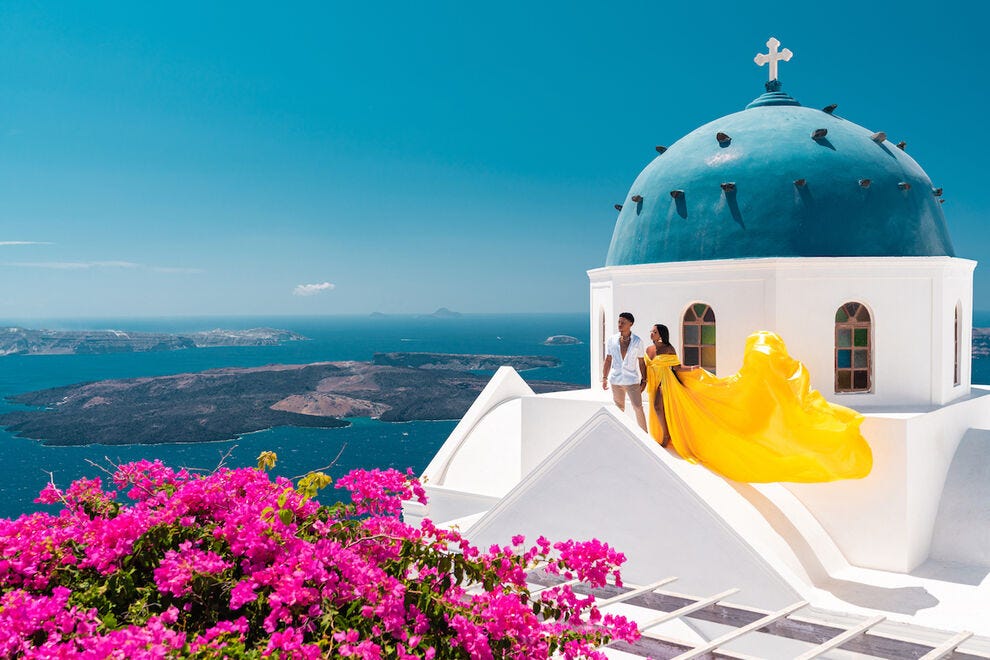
627, 316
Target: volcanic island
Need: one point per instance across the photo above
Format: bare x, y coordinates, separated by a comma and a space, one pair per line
222, 404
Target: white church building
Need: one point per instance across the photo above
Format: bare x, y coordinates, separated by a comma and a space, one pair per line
792, 219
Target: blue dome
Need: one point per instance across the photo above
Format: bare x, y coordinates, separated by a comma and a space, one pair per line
772, 190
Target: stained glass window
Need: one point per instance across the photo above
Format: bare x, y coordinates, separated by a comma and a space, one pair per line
698, 337
853, 348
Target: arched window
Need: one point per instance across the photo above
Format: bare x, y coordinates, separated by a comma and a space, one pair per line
853, 349
698, 337
957, 352
601, 338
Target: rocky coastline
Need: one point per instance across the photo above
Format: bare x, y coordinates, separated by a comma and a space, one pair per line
25, 341
463, 362
561, 340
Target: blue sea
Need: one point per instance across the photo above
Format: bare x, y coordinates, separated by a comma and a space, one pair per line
25, 464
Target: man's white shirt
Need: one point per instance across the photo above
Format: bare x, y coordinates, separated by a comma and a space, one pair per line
625, 371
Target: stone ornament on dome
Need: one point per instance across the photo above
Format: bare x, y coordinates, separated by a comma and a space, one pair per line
772, 58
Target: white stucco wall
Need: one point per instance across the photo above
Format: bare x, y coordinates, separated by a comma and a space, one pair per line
505, 433
885, 521
495, 443
669, 517
547, 421
911, 300
601, 310
962, 526
502, 393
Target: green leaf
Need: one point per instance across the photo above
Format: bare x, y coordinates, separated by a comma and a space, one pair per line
267, 460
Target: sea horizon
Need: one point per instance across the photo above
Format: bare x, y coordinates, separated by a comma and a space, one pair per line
171, 319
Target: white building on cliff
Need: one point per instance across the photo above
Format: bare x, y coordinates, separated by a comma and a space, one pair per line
792, 219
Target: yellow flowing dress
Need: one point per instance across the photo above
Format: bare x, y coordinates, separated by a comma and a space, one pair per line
764, 424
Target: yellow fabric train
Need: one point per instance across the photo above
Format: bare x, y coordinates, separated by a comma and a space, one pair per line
763, 424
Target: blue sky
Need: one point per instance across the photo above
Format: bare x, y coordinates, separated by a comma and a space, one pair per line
211, 158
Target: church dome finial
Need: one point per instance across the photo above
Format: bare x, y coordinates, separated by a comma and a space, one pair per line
773, 95
772, 58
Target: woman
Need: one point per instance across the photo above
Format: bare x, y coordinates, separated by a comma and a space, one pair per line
660, 356
763, 424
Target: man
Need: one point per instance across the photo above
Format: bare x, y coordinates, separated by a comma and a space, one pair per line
625, 369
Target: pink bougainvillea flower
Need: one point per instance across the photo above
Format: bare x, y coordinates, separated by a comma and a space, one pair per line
234, 563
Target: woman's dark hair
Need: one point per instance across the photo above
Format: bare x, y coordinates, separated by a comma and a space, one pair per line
663, 332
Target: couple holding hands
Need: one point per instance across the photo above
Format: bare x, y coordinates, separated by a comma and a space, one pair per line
632, 367
763, 424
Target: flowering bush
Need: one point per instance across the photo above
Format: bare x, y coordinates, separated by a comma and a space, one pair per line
236, 565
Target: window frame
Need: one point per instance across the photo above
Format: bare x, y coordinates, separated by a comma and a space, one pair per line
604, 338
695, 350
957, 346
858, 323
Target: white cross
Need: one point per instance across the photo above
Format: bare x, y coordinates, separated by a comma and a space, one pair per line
773, 57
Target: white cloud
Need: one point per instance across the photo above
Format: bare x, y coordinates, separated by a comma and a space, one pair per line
312, 289
24, 243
